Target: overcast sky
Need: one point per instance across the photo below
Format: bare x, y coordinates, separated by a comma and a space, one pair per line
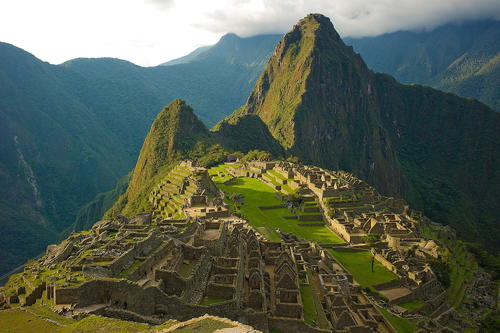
149, 32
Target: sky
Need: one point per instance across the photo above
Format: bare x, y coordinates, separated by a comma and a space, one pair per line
149, 32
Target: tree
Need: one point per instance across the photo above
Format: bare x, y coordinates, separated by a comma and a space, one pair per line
257, 155
372, 240
237, 198
293, 201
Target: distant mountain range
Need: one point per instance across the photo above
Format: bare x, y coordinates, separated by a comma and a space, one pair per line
71, 131
460, 58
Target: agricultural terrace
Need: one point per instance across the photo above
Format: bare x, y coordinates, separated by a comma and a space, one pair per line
257, 194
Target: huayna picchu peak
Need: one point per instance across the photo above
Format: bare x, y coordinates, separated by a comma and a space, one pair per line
321, 103
334, 200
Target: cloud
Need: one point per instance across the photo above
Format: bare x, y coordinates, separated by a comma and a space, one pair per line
162, 4
353, 18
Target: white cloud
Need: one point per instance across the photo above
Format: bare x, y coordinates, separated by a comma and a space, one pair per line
162, 4
351, 17
148, 32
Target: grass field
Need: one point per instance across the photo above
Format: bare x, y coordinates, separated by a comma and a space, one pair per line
256, 194
19, 321
306, 294
359, 265
211, 300
400, 324
203, 326
411, 305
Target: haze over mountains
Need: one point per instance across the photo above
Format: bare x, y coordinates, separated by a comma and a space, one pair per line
71, 131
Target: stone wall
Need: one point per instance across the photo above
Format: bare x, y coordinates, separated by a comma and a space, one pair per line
128, 258
173, 283
35, 294
147, 266
126, 295
387, 264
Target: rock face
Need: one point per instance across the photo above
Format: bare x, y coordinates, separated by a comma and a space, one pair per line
321, 103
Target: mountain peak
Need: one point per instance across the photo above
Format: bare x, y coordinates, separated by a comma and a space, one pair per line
229, 36
175, 131
316, 25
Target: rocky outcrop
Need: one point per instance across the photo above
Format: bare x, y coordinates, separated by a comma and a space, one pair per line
58, 253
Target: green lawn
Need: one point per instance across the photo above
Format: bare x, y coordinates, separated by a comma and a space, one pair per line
308, 304
104, 325
256, 193
314, 314
359, 265
400, 324
18, 321
203, 326
411, 305
276, 174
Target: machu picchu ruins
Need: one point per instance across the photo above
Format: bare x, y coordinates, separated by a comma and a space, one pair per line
195, 253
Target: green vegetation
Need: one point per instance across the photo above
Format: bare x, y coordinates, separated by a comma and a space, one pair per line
126, 272
456, 269
411, 305
203, 326
45, 312
104, 325
257, 155
176, 134
432, 159
186, 268
33, 319
489, 262
400, 324
459, 63
256, 194
211, 300
314, 313
19, 321
306, 294
359, 265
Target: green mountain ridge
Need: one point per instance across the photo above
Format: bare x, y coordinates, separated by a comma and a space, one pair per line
50, 163
323, 104
80, 126
460, 58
